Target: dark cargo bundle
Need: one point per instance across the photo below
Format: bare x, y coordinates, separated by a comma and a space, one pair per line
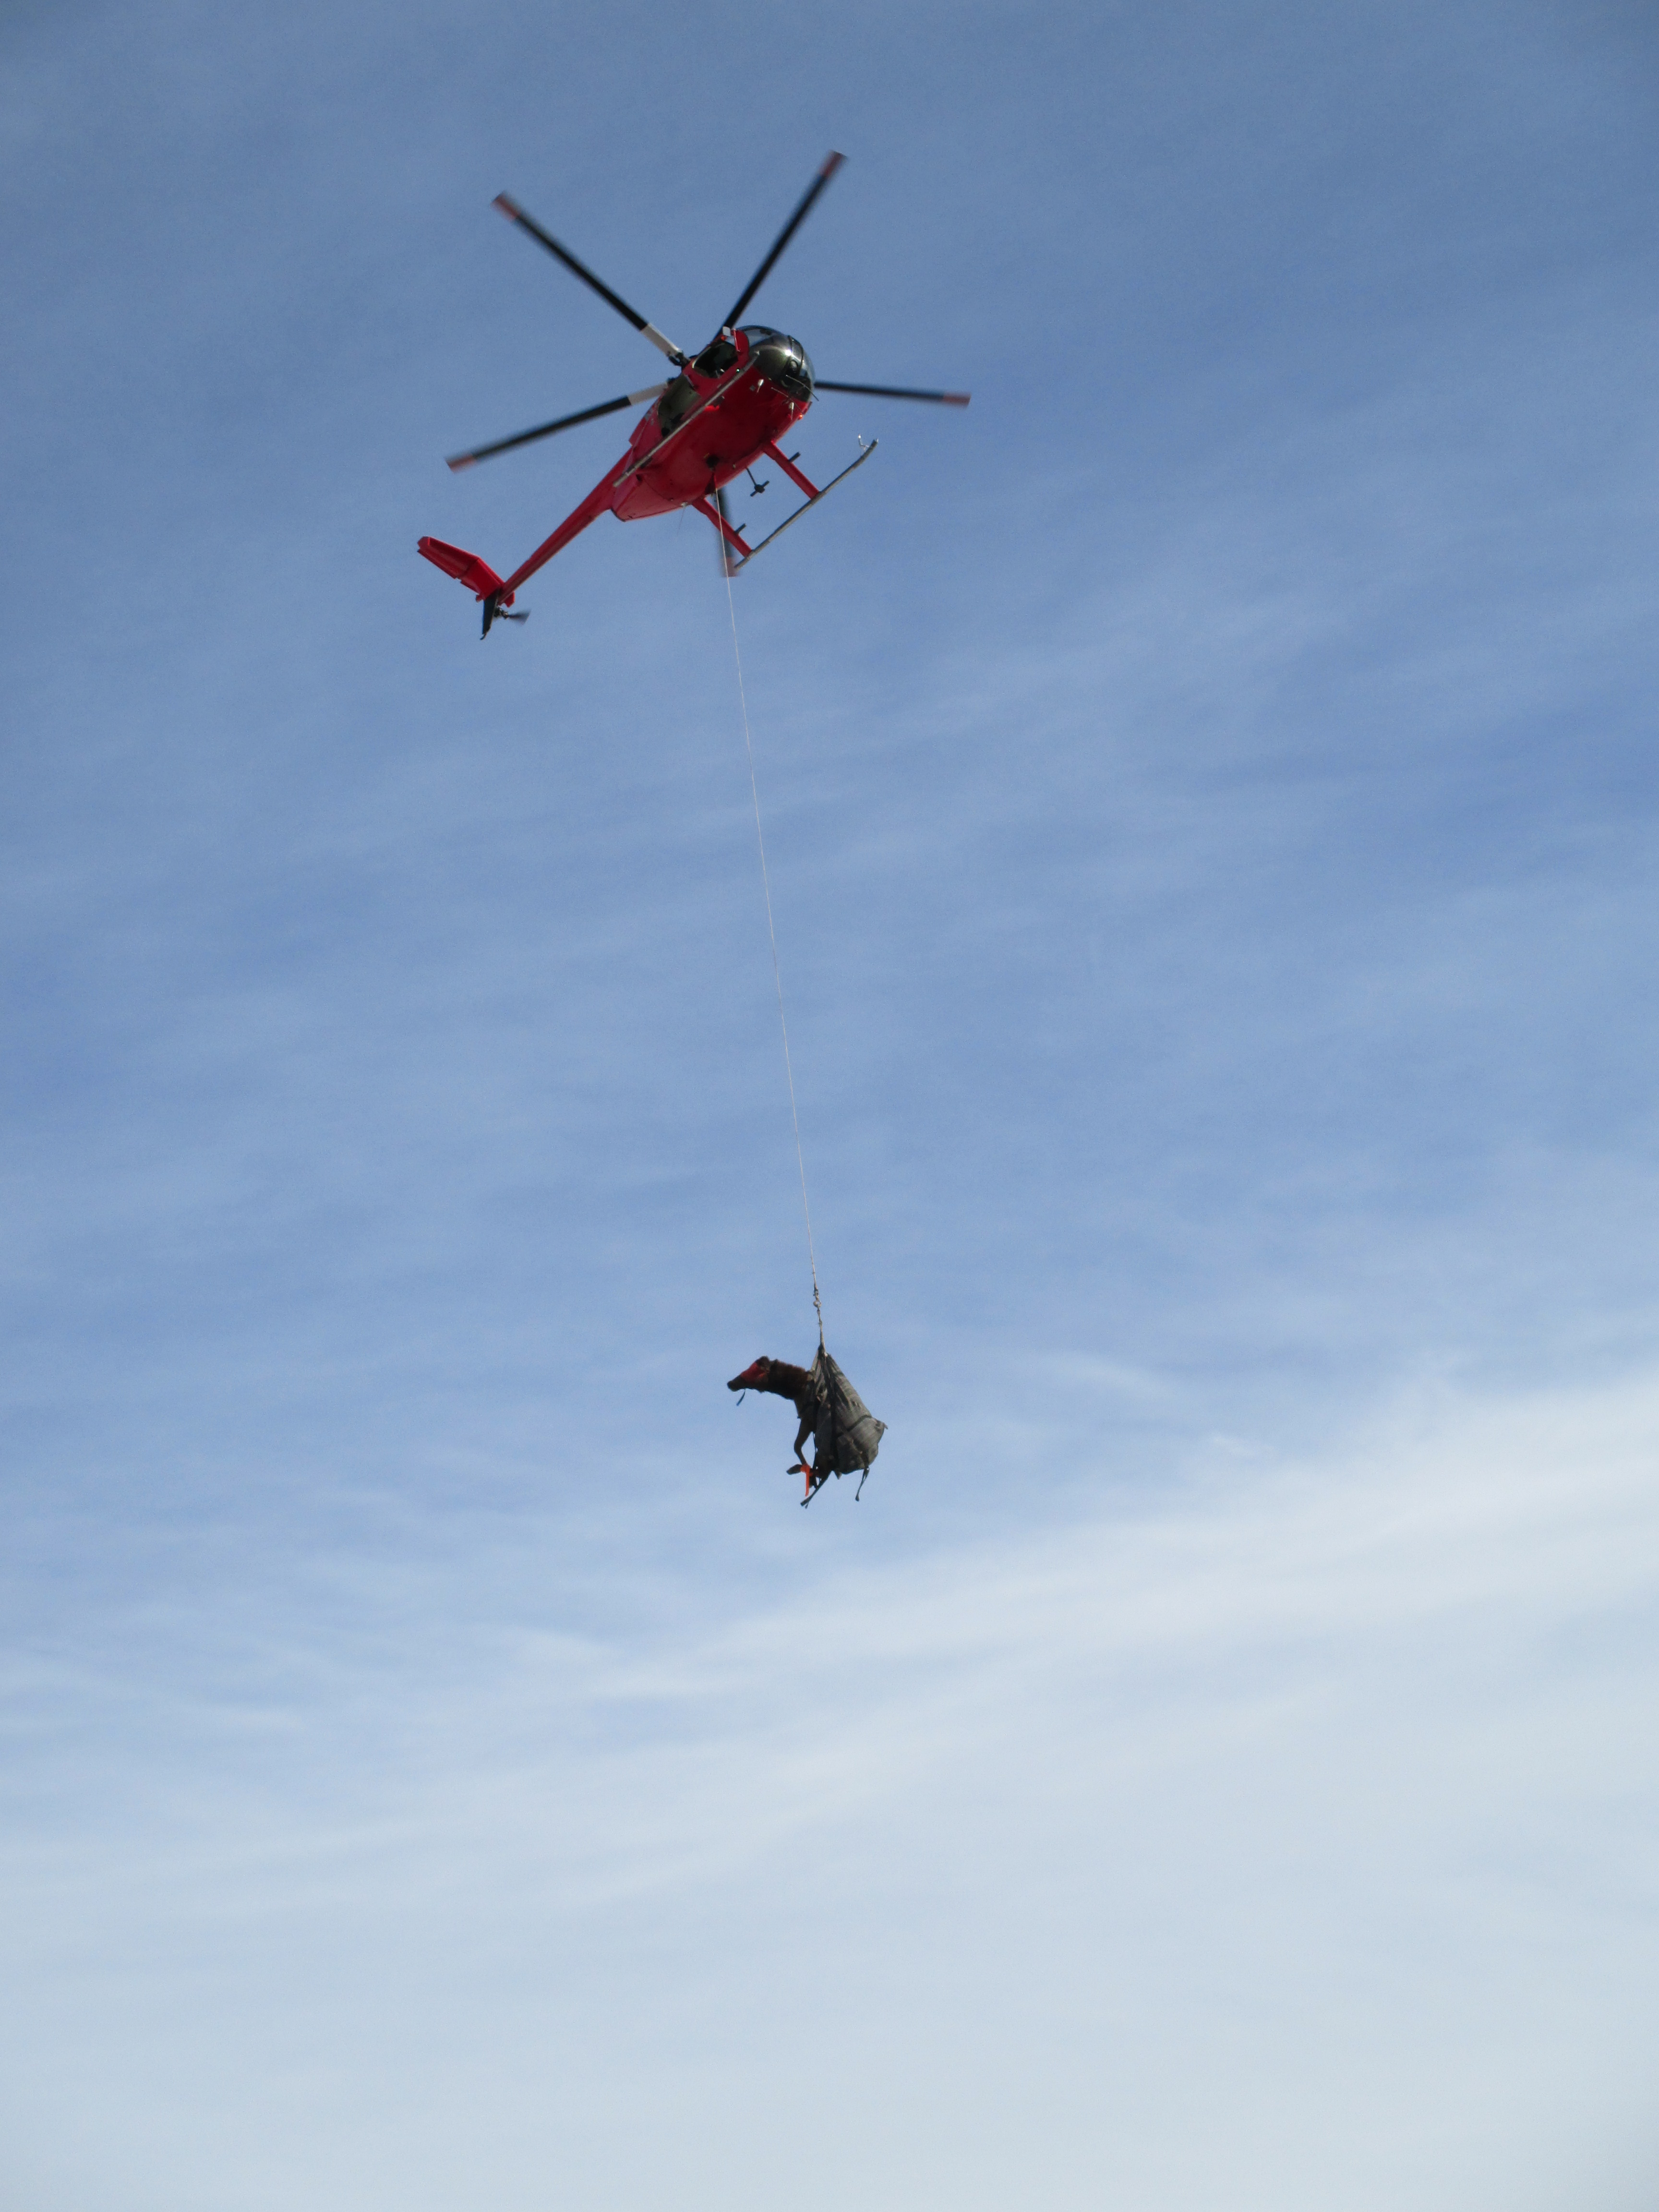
846, 1434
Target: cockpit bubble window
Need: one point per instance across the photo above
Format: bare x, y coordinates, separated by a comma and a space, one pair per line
781, 360
714, 359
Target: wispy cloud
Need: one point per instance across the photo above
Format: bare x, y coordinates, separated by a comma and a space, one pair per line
1209, 787
1354, 1733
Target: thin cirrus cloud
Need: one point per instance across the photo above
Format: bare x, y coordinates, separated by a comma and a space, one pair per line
1368, 1717
1208, 791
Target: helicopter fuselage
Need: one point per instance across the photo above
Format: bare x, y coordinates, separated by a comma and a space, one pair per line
708, 426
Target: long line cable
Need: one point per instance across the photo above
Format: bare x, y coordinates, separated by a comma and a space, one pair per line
771, 930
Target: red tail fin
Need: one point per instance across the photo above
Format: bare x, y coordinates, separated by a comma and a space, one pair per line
478, 576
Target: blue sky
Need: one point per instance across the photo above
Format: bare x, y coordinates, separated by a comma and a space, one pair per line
1209, 793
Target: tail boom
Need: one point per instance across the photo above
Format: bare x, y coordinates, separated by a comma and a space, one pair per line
481, 578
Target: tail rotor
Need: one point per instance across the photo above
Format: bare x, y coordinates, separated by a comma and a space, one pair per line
477, 574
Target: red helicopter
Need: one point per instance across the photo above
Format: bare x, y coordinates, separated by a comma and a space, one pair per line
728, 407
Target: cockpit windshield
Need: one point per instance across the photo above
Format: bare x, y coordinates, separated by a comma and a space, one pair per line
781, 360
681, 395
714, 359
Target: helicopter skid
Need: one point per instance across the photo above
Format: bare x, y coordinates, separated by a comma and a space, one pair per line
749, 552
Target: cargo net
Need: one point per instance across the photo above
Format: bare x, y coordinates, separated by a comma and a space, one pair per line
846, 1434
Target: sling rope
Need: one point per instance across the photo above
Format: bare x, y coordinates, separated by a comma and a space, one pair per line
771, 928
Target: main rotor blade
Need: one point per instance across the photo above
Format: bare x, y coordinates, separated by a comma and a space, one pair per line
894, 392
514, 213
547, 429
784, 236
